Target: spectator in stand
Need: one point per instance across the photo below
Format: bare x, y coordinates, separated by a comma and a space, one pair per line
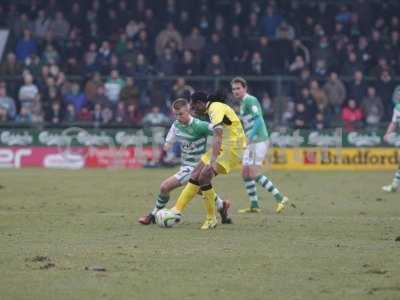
285, 31
107, 115
323, 51
7, 104
50, 55
36, 110
321, 71
297, 66
75, 97
256, 67
181, 89
271, 21
215, 46
113, 87
155, 118
167, 63
335, 91
372, 107
10, 67
85, 114
268, 107
25, 115
385, 87
352, 115
134, 116
91, 86
23, 23
103, 57
301, 117
130, 92
54, 114
60, 26
70, 114
166, 36
319, 122
195, 41
3, 115
188, 66
215, 67
27, 92
142, 69
121, 113
41, 24
26, 46
238, 49
253, 28
358, 88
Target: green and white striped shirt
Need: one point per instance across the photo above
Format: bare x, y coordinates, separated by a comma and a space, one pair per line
250, 109
192, 138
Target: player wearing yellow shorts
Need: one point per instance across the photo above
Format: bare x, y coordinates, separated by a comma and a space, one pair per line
223, 157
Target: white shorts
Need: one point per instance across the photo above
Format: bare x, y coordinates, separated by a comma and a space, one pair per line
184, 173
255, 153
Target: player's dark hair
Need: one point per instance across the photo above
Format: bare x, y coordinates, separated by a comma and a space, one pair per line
179, 103
217, 96
240, 80
199, 97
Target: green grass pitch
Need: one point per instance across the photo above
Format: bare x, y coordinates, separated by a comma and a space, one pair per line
56, 227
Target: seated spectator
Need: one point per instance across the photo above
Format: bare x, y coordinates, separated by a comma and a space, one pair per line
113, 87
54, 114
120, 113
70, 114
188, 66
25, 115
92, 85
28, 91
181, 89
75, 97
10, 66
167, 63
50, 55
268, 107
85, 114
60, 26
300, 118
335, 91
3, 115
155, 118
195, 41
358, 88
372, 107
166, 36
285, 31
352, 115
319, 122
134, 116
215, 66
26, 46
107, 115
36, 110
129, 92
7, 104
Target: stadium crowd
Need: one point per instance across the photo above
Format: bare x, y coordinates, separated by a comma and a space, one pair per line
90, 60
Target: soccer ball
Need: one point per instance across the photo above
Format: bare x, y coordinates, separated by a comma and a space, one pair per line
167, 218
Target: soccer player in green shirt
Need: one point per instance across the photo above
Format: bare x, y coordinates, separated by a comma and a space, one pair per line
395, 185
257, 147
192, 135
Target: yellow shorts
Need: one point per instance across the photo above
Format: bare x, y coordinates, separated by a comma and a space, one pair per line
227, 161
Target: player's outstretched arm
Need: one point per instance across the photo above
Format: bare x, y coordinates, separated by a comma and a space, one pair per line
391, 128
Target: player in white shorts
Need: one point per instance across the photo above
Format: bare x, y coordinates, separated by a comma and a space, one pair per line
192, 135
257, 148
